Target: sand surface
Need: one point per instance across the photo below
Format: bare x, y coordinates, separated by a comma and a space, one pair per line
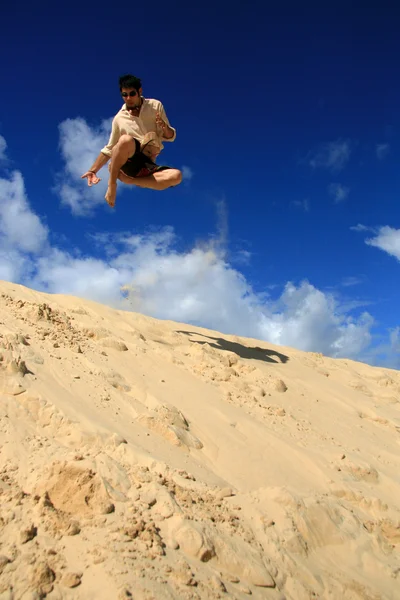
151, 459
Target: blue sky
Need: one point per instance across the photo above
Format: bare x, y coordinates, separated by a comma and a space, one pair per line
287, 225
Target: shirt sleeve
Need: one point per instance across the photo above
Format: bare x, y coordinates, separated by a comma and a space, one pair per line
114, 137
163, 115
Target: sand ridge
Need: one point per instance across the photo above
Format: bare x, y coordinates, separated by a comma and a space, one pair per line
151, 459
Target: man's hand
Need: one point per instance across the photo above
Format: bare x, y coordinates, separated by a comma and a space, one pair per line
167, 132
160, 122
91, 177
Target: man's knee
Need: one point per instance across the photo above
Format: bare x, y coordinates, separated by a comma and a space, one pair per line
126, 142
176, 176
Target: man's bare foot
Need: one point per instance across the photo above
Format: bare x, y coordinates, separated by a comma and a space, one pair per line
111, 194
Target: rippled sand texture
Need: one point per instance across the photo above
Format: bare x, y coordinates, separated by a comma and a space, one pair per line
151, 459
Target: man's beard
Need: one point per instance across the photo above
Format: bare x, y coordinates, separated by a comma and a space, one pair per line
134, 107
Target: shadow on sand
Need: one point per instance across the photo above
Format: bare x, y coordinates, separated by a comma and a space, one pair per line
252, 352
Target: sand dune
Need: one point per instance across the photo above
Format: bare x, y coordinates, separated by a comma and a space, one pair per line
151, 459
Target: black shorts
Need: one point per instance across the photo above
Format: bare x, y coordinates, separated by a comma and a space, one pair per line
140, 165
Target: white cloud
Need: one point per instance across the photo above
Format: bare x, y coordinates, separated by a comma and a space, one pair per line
187, 173
87, 277
351, 281
333, 155
360, 227
310, 319
382, 150
3, 146
80, 146
392, 355
147, 273
395, 339
302, 204
202, 288
387, 352
388, 240
242, 257
14, 265
338, 192
221, 240
20, 228
22, 234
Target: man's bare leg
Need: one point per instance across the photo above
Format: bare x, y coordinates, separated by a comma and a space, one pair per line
124, 149
160, 180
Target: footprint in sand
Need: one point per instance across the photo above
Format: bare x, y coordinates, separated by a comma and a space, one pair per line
387, 528
324, 524
275, 384
229, 554
168, 422
371, 505
359, 386
379, 420
362, 473
13, 371
160, 500
114, 344
75, 491
116, 380
54, 521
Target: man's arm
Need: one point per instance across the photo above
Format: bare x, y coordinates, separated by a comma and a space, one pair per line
168, 132
100, 161
114, 137
90, 175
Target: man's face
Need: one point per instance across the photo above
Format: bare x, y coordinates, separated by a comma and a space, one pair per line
131, 97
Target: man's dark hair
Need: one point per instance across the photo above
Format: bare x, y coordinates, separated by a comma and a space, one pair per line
129, 81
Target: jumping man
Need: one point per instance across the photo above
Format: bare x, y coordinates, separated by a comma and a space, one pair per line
138, 131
